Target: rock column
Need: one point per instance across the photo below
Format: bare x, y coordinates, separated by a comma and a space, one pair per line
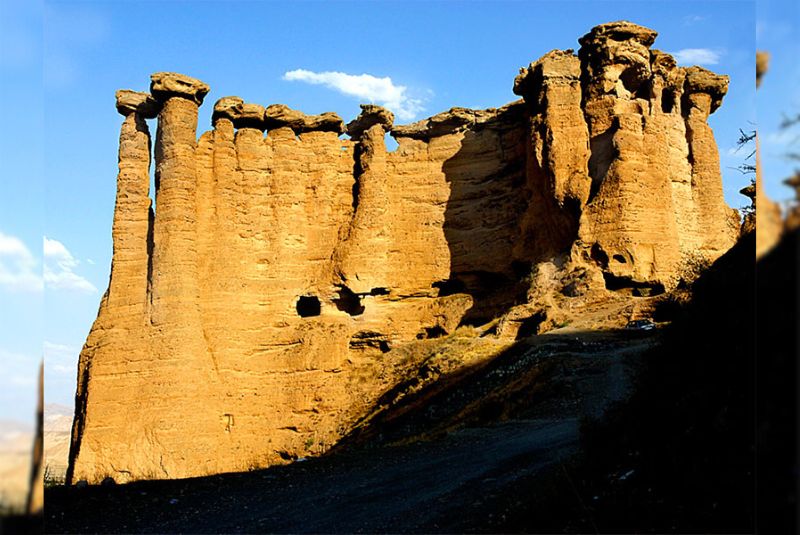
174, 289
628, 227
552, 89
703, 94
362, 259
132, 227
178, 337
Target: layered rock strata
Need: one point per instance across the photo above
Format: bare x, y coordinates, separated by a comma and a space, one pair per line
268, 301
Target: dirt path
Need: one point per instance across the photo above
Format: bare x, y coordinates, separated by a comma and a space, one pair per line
399, 489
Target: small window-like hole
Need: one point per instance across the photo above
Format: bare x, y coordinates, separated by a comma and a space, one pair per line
349, 302
530, 326
308, 305
619, 258
450, 287
597, 254
379, 291
431, 332
667, 101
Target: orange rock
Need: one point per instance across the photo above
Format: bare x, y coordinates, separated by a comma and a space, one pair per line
283, 280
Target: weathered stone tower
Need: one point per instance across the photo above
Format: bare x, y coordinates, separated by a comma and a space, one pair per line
262, 307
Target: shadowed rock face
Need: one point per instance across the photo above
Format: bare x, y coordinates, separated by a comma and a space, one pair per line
267, 302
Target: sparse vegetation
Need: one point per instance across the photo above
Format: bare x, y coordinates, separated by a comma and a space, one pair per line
52, 477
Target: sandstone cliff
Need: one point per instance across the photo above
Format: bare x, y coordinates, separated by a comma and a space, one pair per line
269, 298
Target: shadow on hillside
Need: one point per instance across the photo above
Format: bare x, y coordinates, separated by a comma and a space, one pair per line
536, 377
374, 489
679, 456
777, 383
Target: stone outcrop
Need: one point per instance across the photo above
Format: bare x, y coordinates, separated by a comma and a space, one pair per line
279, 115
370, 116
282, 280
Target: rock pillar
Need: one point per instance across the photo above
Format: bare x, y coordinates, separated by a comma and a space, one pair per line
552, 89
124, 304
132, 227
620, 229
362, 260
703, 94
178, 335
174, 287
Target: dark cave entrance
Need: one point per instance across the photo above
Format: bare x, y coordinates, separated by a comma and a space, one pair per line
308, 305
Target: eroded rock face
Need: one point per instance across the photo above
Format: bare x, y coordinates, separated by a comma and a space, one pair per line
133, 101
370, 115
650, 145
166, 84
284, 279
280, 115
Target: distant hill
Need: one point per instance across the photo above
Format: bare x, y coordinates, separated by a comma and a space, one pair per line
57, 428
16, 441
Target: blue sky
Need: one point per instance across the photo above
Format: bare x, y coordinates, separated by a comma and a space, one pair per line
72, 56
779, 94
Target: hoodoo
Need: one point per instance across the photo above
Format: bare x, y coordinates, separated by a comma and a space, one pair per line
265, 303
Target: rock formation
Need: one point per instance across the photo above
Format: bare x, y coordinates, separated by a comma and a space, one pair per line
263, 307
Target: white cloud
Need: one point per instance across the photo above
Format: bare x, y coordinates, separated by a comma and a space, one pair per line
780, 138
17, 369
364, 86
689, 20
18, 267
59, 265
697, 56
20, 271
60, 358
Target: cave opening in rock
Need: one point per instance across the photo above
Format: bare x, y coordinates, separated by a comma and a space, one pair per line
619, 258
628, 286
633, 78
597, 254
667, 101
602, 153
370, 340
349, 301
450, 287
530, 326
308, 305
431, 332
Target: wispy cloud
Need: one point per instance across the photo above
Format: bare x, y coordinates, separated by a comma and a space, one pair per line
59, 358
697, 56
59, 265
17, 369
366, 87
689, 20
19, 271
780, 138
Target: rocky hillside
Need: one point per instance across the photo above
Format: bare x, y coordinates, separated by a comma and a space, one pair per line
57, 429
